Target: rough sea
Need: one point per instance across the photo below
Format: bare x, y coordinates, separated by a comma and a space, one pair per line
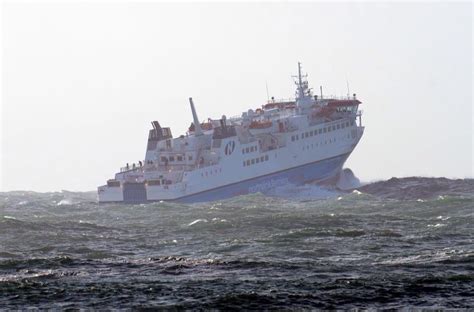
401, 243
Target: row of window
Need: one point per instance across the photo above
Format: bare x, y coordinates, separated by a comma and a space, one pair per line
211, 172
172, 158
159, 182
313, 145
254, 161
250, 149
322, 130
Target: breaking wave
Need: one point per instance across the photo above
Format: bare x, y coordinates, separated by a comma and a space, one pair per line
419, 188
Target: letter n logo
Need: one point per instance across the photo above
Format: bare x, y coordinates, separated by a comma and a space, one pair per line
229, 147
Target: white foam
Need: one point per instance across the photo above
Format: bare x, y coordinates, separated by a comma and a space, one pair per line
347, 180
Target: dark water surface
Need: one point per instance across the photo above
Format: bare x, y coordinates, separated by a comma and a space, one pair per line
398, 243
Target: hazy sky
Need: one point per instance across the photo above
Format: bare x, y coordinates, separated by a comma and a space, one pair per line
82, 81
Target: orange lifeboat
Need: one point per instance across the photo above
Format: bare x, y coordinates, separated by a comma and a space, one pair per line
326, 111
206, 126
280, 105
260, 124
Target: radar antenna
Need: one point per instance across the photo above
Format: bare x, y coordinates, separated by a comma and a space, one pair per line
302, 89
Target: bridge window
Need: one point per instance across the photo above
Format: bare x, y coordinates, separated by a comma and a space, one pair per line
338, 126
171, 158
248, 162
244, 163
252, 161
180, 158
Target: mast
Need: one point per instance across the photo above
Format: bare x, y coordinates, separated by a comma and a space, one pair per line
303, 93
299, 83
299, 75
197, 125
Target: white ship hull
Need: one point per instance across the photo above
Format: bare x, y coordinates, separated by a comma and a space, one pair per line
314, 159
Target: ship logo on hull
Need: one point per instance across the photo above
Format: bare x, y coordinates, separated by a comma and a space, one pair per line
229, 148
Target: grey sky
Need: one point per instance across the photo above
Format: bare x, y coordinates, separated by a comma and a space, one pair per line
82, 81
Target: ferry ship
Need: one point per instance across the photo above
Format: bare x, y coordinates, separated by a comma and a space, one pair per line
300, 140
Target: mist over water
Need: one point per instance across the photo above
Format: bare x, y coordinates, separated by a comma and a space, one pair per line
396, 243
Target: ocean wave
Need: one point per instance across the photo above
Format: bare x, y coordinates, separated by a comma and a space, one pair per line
304, 247
419, 188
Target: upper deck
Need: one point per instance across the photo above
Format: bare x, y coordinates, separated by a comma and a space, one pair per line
269, 127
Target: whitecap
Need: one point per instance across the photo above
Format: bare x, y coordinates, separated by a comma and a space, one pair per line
197, 221
356, 192
436, 225
218, 220
9, 217
64, 202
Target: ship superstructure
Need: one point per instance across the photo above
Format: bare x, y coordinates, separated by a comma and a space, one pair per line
305, 139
